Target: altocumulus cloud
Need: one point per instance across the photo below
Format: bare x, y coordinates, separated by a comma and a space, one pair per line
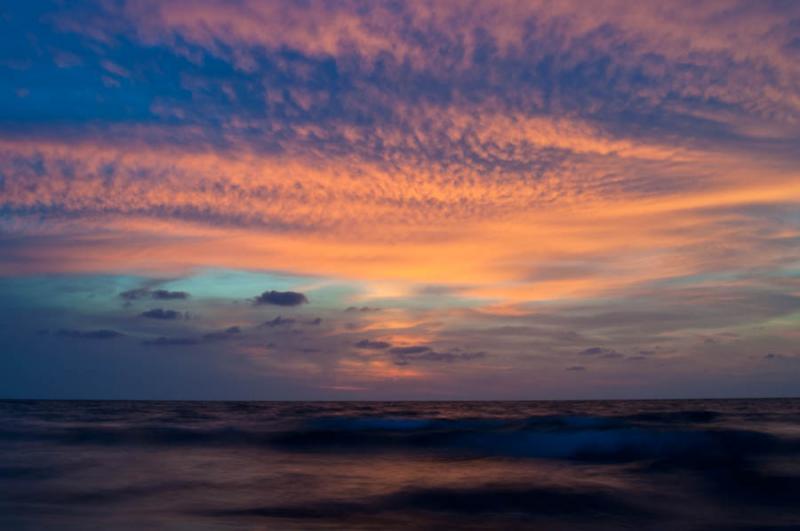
281, 298
347, 131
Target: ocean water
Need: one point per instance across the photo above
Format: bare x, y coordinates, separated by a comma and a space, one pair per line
697, 464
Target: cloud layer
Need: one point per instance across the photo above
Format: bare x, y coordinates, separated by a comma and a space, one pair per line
519, 186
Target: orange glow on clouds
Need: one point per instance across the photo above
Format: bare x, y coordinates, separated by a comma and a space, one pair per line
514, 186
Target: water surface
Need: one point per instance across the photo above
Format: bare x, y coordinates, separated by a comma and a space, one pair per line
697, 464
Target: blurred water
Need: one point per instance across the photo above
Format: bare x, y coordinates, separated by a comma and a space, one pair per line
698, 464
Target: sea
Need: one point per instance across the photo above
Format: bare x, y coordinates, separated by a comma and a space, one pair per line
652, 465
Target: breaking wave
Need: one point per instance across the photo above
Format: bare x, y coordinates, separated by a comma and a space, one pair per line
677, 435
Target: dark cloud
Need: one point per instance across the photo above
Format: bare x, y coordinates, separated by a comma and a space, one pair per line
601, 352
281, 298
414, 353
159, 313
171, 341
439, 290
576, 368
159, 294
406, 355
223, 335
279, 321
89, 334
361, 309
314, 322
135, 294
446, 356
412, 350
162, 294
210, 337
373, 345
776, 356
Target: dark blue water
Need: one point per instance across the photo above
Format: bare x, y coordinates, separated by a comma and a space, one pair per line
716, 464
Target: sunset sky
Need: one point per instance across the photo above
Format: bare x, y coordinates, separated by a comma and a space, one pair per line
399, 200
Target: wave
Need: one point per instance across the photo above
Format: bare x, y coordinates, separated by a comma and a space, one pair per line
550, 437
682, 437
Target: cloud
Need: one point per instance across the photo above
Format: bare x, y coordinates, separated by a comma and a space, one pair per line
494, 176
184, 341
163, 341
89, 334
601, 352
770, 356
159, 313
159, 294
406, 355
372, 345
440, 356
404, 351
281, 298
439, 290
576, 368
135, 294
223, 335
279, 321
162, 294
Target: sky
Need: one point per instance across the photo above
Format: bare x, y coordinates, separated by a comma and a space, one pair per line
360, 200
